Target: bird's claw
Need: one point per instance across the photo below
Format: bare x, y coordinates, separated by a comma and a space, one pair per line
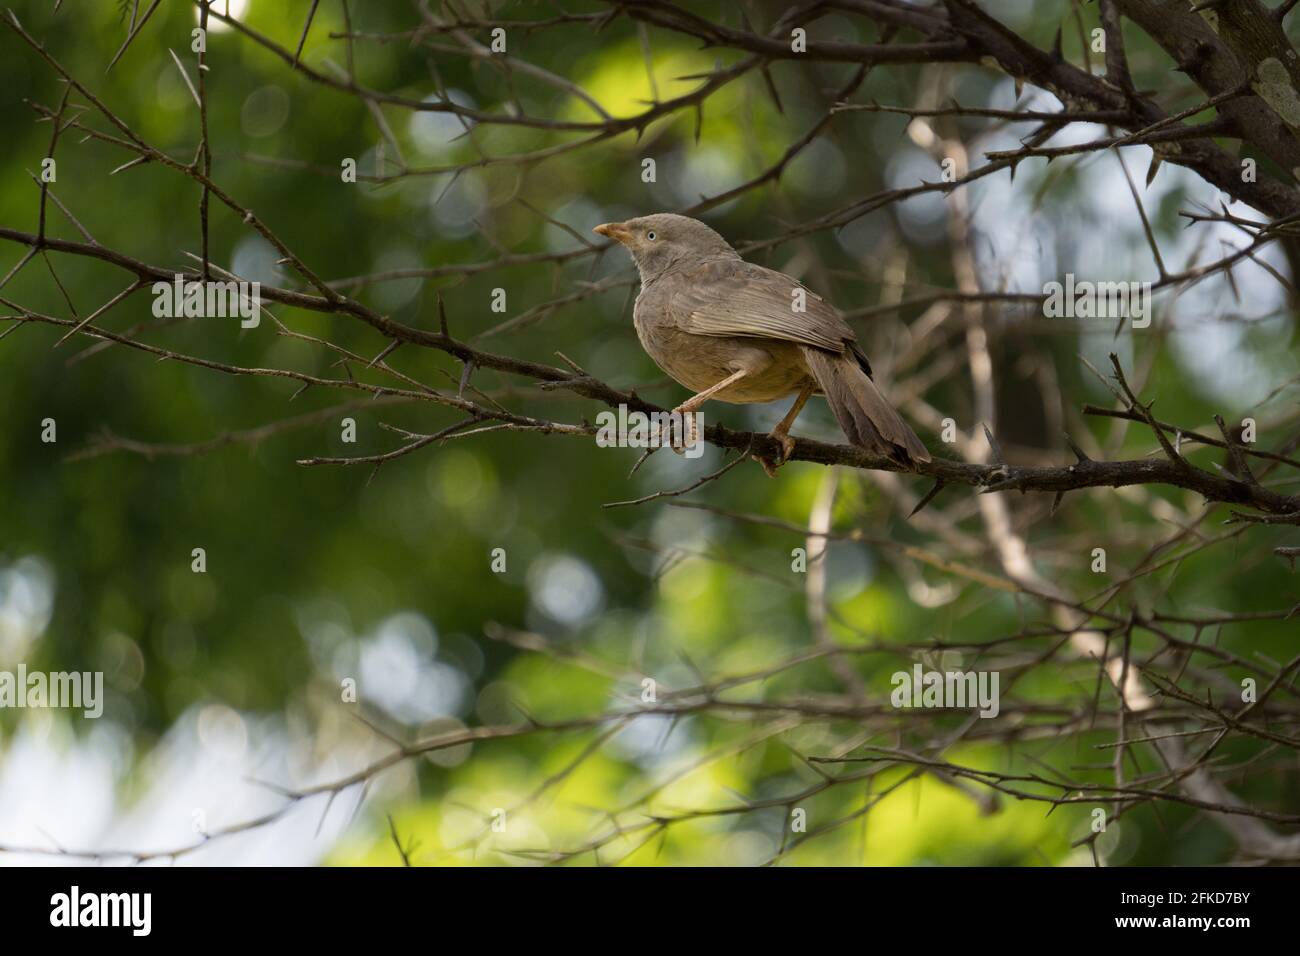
787, 449
679, 442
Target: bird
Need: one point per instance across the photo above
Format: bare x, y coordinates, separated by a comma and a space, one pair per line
741, 333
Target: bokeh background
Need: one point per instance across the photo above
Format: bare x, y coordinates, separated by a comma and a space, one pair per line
217, 681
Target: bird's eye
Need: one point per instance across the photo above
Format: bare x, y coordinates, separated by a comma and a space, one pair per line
650, 235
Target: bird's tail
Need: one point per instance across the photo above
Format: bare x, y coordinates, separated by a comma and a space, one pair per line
868, 420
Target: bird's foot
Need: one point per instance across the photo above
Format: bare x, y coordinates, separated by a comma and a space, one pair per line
787, 449
688, 436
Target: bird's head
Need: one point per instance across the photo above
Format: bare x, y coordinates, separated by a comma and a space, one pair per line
663, 240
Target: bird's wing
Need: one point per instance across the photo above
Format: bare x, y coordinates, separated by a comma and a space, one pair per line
726, 298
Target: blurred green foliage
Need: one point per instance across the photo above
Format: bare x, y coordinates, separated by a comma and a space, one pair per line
307, 564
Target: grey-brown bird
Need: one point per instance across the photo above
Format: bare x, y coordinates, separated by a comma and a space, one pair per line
731, 330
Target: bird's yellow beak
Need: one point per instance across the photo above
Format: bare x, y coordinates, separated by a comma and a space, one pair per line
614, 230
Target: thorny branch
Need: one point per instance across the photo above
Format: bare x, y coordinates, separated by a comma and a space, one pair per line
1145, 677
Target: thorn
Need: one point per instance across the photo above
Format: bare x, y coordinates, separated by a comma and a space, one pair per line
129, 163
929, 496
389, 350
1004, 484
1079, 453
641, 461
1154, 168
771, 89
993, 444
1240, 468
572, 364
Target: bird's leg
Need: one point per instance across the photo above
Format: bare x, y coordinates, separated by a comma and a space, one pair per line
688, 408
782, 430
695, 401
